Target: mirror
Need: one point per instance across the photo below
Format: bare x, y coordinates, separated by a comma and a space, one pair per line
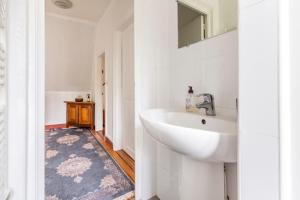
202, 19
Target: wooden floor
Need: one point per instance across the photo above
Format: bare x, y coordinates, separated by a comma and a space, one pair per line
121, 157
49, 127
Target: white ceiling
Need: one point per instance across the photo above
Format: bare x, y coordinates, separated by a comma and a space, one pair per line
90, 10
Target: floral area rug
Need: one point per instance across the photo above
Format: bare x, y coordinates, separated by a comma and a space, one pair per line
78, 168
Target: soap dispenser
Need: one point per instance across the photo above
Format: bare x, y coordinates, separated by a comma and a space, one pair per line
189, 107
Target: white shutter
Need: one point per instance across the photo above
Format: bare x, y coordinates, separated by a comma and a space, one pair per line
3, 104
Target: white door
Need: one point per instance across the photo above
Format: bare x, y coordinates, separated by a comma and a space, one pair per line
127, 100
3, 105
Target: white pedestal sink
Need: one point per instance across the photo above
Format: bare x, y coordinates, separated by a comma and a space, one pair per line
210, 140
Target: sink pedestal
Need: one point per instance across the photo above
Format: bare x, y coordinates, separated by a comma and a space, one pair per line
206, 143
201, 180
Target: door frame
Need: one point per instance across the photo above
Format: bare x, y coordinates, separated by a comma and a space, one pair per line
29, 183
26, 159
129, 150
98, 98
117, 83
26, 80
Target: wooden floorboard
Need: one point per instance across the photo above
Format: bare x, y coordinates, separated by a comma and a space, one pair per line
126, 158
121, 157
55, 126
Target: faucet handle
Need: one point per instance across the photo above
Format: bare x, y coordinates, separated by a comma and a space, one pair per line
206, 96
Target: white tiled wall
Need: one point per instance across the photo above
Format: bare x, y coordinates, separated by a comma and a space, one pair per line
209, 66
258, 89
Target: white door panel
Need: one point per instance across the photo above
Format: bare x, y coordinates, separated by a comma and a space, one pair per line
128, 91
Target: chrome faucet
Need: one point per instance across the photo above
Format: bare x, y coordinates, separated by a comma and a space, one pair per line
208, 104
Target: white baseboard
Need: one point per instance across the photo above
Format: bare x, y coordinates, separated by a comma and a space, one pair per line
130, 152
109, 137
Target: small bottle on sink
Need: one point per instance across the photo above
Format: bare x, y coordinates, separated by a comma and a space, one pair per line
190, 101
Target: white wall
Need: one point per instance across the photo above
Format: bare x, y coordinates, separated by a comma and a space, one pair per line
69, 62
117, 13
289, 99
295, 106
153, 41
163, 73
56, 108
258, 89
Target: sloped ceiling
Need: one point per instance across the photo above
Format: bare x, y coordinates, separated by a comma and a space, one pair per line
90, 10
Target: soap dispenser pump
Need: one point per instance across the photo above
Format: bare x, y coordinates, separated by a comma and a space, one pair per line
189, 100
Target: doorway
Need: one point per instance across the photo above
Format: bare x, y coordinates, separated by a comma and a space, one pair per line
28, 183
102, 83
101, 95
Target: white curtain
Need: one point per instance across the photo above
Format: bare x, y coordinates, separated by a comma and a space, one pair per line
3, 103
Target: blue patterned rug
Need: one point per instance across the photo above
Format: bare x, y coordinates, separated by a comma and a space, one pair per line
78, 168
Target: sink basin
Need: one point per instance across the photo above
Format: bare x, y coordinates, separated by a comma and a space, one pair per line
208, 139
